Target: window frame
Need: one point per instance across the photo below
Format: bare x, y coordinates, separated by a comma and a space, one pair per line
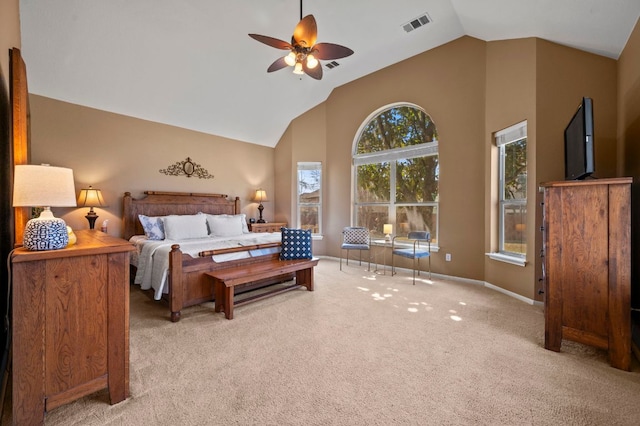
391, 156
503, 138
309, 165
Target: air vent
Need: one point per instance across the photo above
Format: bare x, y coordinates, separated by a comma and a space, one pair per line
416, 23
331, 65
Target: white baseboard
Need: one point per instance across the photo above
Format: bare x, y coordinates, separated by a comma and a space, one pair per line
512, 294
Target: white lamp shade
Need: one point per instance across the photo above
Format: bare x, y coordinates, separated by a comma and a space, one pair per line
387, 228
43, 186
261, 195
91, 197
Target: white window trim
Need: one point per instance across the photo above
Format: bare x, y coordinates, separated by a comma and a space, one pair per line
310, 165
392, 155
512, 133
514, 260
503, 137
406, 152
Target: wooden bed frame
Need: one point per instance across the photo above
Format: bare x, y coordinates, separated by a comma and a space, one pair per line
188, 283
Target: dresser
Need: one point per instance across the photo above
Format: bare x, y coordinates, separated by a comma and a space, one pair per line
70, 324
587, 259
266, 227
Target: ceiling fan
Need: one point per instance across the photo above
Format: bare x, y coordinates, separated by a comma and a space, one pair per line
304, 52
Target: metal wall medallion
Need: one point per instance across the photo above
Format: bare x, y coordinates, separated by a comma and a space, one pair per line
187, 168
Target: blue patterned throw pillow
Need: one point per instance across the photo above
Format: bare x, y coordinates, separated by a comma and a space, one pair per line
296, 244
153, 226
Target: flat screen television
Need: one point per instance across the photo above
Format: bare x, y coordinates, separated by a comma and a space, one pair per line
578, 143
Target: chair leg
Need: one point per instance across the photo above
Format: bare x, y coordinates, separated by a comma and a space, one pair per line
414, 270
393, 266
341, 259
360, 262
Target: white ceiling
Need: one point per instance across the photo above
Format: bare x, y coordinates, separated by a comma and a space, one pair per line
191, 64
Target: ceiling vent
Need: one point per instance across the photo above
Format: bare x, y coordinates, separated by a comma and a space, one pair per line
331, 65
416, 23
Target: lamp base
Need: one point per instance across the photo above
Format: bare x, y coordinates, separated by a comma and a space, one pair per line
48, 233
260, 208
91, 217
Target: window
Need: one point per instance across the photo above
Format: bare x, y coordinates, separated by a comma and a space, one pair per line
310, 196
396, 172
512, 189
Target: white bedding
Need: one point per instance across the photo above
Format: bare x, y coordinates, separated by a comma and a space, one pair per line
152, 256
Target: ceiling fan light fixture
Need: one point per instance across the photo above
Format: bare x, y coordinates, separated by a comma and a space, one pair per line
311, 61
304, 53
290, 59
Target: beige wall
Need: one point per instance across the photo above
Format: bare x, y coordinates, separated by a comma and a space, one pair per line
309, 131
510, 99
564, 76
117, 153
476, 89
451, 92
9, 35
543, 83
629, 139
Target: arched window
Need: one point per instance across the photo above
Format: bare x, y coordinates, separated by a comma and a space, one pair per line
396, 172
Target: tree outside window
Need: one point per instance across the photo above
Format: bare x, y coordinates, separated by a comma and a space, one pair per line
512, 147
397, 172
310, 196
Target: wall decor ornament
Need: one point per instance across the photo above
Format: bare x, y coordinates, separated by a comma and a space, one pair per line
187, 168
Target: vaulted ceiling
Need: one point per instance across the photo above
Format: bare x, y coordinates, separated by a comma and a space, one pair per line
191, 63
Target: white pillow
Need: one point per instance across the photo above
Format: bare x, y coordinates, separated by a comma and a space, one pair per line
221, 225
184, 227
153, 226
243, 218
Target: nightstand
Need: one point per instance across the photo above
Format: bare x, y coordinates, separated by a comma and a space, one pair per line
70, 324
267, 227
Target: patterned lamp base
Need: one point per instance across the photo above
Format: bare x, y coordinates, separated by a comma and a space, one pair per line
45, 234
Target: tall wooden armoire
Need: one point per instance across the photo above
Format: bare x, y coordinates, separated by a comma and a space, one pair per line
587, 259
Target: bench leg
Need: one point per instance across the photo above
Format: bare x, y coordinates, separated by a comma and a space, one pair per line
218, 295
228, 302
304, 277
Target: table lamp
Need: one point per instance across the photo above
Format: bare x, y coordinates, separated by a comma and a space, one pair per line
44, 186
387, 229
91, 197
261, 195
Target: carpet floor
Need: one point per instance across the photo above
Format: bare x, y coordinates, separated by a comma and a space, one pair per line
363, 349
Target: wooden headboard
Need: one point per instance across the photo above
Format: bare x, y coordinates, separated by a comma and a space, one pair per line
157, 203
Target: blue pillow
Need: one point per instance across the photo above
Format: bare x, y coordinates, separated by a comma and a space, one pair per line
296, 244
153, 226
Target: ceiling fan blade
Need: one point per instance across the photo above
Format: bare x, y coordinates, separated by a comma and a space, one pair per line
331, 51
315, 72
277, 65
306, 32
270, 41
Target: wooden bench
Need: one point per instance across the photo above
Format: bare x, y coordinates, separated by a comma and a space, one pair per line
224, 280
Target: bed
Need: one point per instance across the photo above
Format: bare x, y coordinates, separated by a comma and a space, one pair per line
187, 263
